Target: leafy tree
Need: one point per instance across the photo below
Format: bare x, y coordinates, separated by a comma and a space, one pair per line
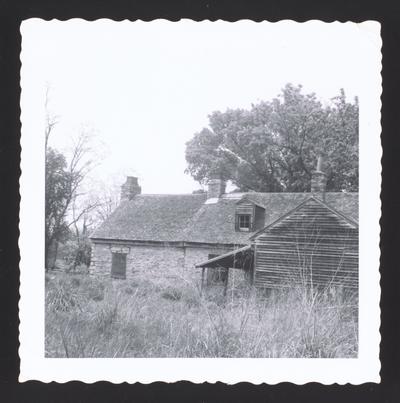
273, 147
76, 251
57, 199
66, 204
341, 144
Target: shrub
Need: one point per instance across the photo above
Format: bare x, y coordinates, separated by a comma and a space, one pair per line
172, 294
82, 269
93, 288
75, 282
129, 290
61, 296
106, 317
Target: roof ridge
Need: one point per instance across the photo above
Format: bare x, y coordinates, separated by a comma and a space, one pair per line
185, 217
248, 197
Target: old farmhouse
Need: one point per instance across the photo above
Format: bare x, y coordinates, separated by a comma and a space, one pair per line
272, 238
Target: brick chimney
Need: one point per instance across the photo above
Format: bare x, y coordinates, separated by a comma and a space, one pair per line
130, 188
216, 188
318, 180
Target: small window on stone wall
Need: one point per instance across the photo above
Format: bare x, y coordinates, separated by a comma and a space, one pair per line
118, 265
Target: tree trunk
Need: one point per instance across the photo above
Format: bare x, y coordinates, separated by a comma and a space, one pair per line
55, 255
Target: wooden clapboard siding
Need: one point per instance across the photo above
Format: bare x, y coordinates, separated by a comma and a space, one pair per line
245, 207
312, 245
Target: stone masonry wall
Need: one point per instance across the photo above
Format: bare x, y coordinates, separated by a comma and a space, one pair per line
157, 262
160, 263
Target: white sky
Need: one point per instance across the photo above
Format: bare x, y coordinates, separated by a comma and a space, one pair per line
146, 88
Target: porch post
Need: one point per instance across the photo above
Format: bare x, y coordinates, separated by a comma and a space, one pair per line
202, 279
226, 281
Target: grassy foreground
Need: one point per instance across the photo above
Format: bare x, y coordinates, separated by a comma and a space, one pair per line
88, 317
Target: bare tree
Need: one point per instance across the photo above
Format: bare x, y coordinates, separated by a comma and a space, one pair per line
64, 190
108, 198
82, 224
70, 207
51, 120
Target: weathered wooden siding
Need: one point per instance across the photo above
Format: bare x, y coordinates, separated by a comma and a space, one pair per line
244, 207
311, 245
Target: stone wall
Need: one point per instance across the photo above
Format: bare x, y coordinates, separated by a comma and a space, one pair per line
160, 263
156, 261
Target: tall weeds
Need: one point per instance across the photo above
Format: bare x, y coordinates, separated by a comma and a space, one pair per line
86, 317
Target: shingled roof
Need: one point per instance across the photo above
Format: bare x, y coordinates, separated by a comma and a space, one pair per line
151, 218
186, 218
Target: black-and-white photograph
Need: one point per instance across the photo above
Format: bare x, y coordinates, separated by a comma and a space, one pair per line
200, 188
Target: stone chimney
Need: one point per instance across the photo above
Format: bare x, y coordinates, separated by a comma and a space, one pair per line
130, 188
318, 180
216, 188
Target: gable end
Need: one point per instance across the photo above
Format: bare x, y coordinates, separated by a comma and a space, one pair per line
314, 209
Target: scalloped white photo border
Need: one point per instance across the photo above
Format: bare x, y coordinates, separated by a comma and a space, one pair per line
34, 365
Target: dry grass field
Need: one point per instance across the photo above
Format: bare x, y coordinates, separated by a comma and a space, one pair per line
88, 317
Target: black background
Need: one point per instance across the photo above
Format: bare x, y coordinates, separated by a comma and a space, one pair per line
11, 15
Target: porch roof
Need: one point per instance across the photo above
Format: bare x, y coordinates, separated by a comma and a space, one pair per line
232, 259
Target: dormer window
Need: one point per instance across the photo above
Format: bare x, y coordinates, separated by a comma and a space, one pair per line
244, 222
249, 216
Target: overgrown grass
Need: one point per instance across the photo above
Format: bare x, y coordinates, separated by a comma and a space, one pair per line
88, 317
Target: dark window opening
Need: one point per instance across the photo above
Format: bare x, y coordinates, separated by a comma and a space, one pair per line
118, 265
218, 274
243, 222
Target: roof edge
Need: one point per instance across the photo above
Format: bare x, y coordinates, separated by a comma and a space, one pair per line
178, 244
246, 197
216, 258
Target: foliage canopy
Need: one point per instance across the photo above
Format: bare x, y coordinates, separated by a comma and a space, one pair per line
274, 146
